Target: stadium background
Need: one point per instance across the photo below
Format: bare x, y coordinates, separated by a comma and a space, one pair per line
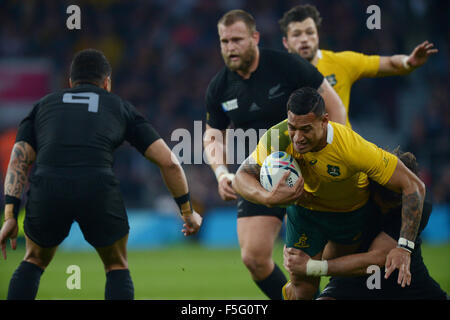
164, 54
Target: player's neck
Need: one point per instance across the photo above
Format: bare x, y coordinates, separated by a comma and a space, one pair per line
247, 74
315, 60
323, 141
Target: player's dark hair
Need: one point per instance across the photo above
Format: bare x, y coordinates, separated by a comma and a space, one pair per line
409, 160
298, 14
305, 100
233, 16
91, 66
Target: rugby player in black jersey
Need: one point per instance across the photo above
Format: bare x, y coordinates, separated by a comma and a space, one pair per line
71, 136
250, 93
350, 273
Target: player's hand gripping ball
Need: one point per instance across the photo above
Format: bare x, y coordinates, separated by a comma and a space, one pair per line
274, 168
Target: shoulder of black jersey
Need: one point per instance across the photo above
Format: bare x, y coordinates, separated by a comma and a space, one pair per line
218, 81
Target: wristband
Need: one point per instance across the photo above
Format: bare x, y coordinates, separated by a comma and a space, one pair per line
316, 268
220, 170
16, 206
405, 63
184, 203
406, 244
229, 176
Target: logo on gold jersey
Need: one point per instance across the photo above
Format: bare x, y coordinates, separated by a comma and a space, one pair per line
313, 162
331, 79
302, 242
333, 170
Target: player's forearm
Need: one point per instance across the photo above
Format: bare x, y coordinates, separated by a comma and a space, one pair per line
175, 179
412, 205
395, 65
355, 264
22, 157
246, 183
214, 144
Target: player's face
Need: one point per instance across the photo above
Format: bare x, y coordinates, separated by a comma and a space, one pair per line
307, 132
238, 46
302, 38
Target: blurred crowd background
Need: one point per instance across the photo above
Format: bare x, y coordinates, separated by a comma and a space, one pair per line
165, 52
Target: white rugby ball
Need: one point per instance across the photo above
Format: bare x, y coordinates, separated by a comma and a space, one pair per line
275, 166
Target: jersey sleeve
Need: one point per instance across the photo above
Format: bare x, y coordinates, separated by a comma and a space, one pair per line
139, 133
26, 128
359, 65
364, 156
215, 115
306, 74
275, 139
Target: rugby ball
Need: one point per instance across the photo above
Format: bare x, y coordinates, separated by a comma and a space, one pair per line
275, 166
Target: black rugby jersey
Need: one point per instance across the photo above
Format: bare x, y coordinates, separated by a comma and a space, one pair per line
390, 223
260, 101
82, 126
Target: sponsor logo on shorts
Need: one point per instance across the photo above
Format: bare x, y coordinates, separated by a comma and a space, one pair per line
302, 242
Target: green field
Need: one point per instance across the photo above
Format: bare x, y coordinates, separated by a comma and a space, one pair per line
182, 272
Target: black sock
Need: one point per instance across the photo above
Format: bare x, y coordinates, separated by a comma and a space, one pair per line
119, 285
273, 284
24, 282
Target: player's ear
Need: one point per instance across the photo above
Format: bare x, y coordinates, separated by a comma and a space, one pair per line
285, 43
325, 119
256, 37
107, 84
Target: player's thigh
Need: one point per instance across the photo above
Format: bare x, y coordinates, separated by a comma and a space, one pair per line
104, 220
257, 235
49, 215
38, 255
334, 250
114, 256
302, 232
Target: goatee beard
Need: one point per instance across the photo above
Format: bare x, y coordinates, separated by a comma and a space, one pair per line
247, 59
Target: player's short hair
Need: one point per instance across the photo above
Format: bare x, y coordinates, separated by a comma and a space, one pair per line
305, 100
233, 16
409, 160
89, 65
298, 14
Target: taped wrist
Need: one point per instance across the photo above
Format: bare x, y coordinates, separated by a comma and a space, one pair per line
184, 203
16, 206
316, 268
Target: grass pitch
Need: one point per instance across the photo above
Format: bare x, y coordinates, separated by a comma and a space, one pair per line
187, 271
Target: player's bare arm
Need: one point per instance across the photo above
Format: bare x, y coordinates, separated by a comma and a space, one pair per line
247, 184
404, 64
333, 104
413, 195
175, 179
352, 265
215, 149
22, 157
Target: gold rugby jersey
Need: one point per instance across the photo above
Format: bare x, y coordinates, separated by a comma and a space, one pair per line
342, 69
338, 174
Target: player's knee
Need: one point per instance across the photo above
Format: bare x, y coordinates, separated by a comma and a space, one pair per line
36, 260
256, 263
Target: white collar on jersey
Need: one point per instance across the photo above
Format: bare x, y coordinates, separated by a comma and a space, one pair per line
319, 54
330, 133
